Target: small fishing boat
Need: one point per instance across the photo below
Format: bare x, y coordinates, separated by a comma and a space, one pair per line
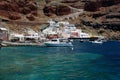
59, 43
99, 41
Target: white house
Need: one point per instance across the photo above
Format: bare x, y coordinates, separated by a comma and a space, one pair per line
3, 33
30, 34
16, 37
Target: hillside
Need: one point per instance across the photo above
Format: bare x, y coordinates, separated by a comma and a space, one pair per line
98, 14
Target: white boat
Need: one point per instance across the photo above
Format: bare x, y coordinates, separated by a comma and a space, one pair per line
98, 41
58, 43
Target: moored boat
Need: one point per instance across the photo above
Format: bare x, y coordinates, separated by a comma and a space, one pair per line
99, 41
59, 43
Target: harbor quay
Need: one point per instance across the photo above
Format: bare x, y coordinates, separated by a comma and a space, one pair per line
61, 29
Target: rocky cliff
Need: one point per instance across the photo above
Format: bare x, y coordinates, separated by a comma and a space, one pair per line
14, 9
64, 7
57, 9
97, 12
94, 5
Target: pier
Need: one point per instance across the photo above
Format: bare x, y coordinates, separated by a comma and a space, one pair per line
7, 43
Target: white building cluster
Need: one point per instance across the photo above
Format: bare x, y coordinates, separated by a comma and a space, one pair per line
62, 29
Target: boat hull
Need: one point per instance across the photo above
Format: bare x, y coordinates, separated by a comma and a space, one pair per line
58, 45
98, 42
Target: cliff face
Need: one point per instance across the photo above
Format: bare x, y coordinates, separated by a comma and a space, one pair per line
69, 1
96, 4
13, 8
16, 9
91, 6
63, 7
97, 11
59, 11
106, 3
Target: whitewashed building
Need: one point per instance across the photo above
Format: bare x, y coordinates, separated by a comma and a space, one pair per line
3, 33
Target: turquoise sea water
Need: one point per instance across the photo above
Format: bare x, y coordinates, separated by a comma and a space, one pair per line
86, 61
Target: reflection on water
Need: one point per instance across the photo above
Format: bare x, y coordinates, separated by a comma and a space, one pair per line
85, 62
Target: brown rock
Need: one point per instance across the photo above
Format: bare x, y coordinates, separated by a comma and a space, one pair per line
117, 1
63, 10
25, 10
30, 17
14, 7
59, 10
96, 4
69, 1
21, 3
106, 3
14, 16
35, 13
91, 6
78, 6
32, 6
48, 1
4, 13
4, 5
18, 6
49, 10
